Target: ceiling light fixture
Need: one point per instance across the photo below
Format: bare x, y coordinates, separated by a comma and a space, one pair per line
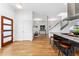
37, 19
52, 19
63, 15
19, 6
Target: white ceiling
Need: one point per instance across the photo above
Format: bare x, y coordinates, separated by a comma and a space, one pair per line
48, 9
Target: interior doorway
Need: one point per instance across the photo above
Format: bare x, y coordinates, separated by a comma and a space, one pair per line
40, 28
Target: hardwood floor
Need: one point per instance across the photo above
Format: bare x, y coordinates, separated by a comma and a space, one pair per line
42, 47
38, 47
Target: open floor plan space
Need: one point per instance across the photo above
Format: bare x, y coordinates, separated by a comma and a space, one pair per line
39, 29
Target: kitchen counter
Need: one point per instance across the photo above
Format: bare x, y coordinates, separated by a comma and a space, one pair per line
74, 39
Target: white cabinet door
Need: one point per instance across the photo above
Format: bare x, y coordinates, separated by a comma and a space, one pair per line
27, 34
24, 30
20, 30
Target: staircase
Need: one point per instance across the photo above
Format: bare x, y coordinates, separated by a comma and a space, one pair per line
54, 26
61, 25
58, 27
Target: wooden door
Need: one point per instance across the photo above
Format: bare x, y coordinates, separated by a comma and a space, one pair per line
6, 30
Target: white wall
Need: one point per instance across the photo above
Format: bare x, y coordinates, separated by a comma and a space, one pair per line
6, 10
24, 25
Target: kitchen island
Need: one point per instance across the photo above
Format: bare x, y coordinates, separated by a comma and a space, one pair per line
72, 40
66, 37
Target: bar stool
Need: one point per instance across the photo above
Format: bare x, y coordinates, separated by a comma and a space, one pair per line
52, 41
63, 47
66, 49
51, 38
56, 44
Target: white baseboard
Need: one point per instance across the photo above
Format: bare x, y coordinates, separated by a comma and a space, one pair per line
22, 40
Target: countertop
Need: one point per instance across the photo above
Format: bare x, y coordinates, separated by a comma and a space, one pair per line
72, 38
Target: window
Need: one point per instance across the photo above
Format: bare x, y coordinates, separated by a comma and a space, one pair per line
42, 27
